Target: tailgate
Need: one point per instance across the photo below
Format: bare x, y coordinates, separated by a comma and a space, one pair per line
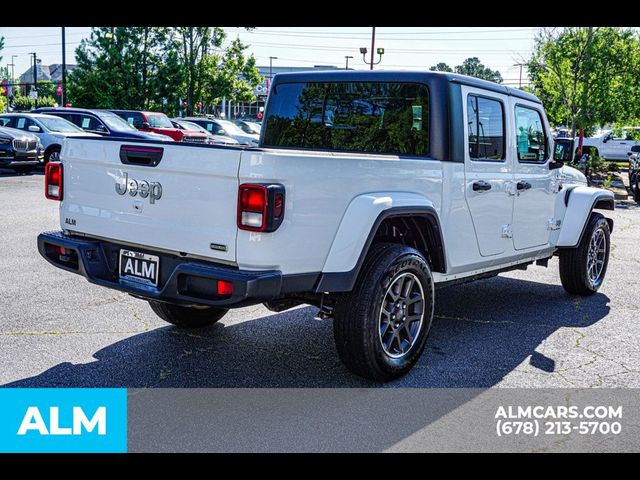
194, 212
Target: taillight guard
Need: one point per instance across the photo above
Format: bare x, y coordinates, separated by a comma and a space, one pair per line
260, 207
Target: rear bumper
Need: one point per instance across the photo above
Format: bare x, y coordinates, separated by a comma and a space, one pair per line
182, 281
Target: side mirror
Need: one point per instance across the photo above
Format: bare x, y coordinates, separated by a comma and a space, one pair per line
555, 164
221, 132
606, 138
34, 128
100, 128
560, 149
146, 126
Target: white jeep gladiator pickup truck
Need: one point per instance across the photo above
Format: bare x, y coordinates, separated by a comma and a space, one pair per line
368, 191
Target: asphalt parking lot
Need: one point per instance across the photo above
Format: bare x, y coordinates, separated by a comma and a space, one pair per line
516, 330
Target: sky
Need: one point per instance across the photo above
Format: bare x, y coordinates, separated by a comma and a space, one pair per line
411, 48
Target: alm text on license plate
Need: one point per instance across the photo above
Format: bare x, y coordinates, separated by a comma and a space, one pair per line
139, 267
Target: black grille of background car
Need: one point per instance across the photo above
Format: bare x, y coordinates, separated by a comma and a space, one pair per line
190, 139
25, 145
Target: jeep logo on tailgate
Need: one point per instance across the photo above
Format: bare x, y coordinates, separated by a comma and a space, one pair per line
145, 189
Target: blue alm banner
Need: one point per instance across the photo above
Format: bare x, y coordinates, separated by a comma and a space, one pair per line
57, 420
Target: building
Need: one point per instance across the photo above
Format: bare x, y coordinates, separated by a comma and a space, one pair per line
51, 73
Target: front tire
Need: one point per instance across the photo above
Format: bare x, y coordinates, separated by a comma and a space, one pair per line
187, 317
634, 181
381, 327
582, 269
52, 155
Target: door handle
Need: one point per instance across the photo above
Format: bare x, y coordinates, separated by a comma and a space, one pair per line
481, 186
523, 186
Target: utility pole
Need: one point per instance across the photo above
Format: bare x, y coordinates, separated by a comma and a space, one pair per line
64, 68
35, 77
373, 45
347, 57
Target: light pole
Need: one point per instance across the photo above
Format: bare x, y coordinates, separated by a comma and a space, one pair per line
12, 65
379, 51
64, 68
35, 77
347, 57
271, 59
373, 44
520, 65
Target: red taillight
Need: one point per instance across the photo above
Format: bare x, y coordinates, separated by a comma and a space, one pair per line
53, 181
260, 207
254, 198
252, 208
225, 288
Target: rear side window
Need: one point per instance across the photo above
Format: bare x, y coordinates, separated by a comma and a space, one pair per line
485, 127
530, 135
368, 117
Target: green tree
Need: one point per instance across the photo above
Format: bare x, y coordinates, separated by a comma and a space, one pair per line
22, 103
46, 89
587, 76
126, 67
474, 68
212, 71
441, 67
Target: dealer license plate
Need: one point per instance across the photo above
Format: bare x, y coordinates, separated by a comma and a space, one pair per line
139, 267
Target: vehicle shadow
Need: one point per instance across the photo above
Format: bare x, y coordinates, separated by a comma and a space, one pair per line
5, 172
481, 332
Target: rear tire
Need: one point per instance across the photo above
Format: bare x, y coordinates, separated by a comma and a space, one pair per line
380, 328
187, 317
582, 269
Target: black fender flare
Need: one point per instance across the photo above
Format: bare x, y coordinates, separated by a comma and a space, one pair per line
345, 281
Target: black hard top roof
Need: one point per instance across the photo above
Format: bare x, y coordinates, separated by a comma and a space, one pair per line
399, 75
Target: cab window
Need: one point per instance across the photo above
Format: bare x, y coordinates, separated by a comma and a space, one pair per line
485, 128
530, 135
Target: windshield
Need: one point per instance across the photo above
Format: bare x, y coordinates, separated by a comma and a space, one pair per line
231, 128
159, 121
255, 128
192, 127
56, 124
115, 122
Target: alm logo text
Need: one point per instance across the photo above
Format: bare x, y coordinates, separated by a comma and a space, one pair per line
33, 421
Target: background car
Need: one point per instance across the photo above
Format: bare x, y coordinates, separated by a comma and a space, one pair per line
614, 145
217, 126
634, 171
211, 138
102, 122
157, 122
248, 127
20, 151
51, 130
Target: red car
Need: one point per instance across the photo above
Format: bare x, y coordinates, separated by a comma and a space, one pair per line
158, 122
